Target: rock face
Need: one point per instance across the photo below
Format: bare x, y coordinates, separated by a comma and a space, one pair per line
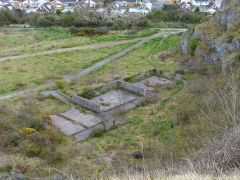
218, 39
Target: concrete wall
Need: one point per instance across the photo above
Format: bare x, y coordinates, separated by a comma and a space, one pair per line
86, 103
107, 86
150, 72
133, 88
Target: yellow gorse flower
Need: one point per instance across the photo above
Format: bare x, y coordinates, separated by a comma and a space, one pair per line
27, 131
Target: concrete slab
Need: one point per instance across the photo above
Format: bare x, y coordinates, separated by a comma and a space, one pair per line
87, 120
66, 126
48, 93
114, 99
83, 135
146, 83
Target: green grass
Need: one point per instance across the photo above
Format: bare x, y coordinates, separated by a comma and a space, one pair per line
34, 71
149, 135
20, 41
143, 58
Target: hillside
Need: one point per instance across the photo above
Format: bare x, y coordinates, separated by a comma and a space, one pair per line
159, 107
217, 40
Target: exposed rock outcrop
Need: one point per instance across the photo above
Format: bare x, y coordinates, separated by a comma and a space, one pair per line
218, 39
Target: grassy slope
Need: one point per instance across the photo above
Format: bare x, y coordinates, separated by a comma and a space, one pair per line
139, 129
33, 71
142, 58
29, 41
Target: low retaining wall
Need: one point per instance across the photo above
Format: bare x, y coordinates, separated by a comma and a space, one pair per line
97, 107
65, 96
133, 88
107, 86
86, 103
151, 72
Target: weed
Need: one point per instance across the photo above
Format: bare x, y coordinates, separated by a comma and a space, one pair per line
60, 84
87, 92
193, 46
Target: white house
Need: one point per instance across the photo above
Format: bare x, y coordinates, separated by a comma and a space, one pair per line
144, 9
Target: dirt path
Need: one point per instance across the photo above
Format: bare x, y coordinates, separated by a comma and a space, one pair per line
91, 46
95, 66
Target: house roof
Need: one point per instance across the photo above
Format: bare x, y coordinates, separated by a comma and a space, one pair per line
48, 7
81, 5
9, 7
202, 0
146, 6
112, 7
3, 1
211, 4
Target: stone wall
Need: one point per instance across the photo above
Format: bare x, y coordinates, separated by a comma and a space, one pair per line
107, 86
86, 103
151, 72
133, 88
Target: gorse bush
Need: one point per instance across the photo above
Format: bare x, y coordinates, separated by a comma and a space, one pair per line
60, 84
87, 92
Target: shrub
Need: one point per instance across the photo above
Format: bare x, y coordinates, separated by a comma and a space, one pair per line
103, 30
46, 20
88, 32
197, 9
229, 39
60, 84
27, 131
67, 20
129, 78
238, 56
220, 154
58, 11
87, 92
74, 30
193, 46
6, 17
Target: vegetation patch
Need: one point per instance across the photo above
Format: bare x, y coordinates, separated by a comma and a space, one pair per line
35, 70
193, 46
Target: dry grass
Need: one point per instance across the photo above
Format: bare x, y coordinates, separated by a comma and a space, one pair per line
34, 71
143, 58
31, 41
188, 176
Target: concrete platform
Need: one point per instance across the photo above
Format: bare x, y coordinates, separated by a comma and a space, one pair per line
66, 126
113, 99
156, 81
87, 120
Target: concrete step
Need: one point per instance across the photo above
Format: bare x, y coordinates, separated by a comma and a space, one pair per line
66, 126
58, 95
87, 120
